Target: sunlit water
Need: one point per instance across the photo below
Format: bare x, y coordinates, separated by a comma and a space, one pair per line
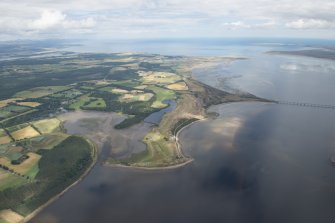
256, 162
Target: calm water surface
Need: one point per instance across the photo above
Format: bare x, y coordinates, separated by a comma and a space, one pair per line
256, 162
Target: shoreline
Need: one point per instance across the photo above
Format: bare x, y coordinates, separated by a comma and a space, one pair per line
176, 166
179, 151
27, 218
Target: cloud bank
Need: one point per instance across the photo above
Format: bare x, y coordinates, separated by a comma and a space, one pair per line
166, 18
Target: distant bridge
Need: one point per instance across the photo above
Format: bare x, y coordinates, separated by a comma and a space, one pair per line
302, 104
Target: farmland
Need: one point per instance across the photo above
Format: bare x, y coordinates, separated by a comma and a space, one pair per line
40, 91
46, 126
39, 160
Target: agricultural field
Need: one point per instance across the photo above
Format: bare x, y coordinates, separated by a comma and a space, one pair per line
10, 180
28, 167
79, 102
94, 103
12, 110
47, 126
29, 104
9, 216
41, 91
163, 78
136, 96
4, 103
4, 138
69, 94
126, 83
179, 86
161, 95
47, 141
39, 160
114, 90
25, 133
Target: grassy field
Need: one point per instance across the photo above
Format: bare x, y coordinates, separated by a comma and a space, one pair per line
160, 152
114, 90
12, 110
94, 103
158, 77
9, 180
79, 102
28, 167
58, 168
47, 126
4, 138
29, 104
4, 103
161, 95
25, 133
9, 216
48, 141
136, 97
179, 86
72, 93
40, 91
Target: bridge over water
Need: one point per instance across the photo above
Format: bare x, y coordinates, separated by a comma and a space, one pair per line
303, 104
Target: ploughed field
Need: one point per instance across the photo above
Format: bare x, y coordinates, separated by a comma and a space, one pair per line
38, 159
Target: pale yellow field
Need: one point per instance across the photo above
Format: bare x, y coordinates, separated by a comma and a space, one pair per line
5, 140
152, 77
4, 103
25, 133
25, 166
29, 104
46, 126
41, 91
123, 60
119, 91
10, 216
3, 175
141, 87
137, 97
180, 86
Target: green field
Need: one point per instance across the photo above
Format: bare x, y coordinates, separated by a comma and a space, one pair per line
58, 168
161, 95
127, 83
12, 110
9, 180
79, 102
48, 141
41, 91
94, 103
72, 93
46, 126
39, 160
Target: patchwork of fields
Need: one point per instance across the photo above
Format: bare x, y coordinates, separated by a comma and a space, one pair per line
38, 159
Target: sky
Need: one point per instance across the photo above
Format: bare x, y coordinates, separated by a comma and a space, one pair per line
118, 19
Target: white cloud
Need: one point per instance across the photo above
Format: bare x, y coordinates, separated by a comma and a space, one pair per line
311, 24
236, 25
189, 17
47, 20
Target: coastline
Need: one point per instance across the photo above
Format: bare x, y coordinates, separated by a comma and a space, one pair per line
179, 151
27, 218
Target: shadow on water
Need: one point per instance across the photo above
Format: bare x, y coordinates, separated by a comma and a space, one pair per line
255, 163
